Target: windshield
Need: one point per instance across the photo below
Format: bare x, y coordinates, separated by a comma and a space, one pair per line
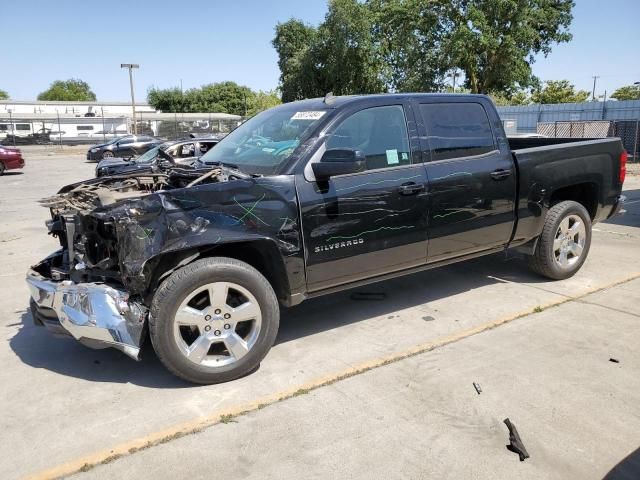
147, 157
265, 142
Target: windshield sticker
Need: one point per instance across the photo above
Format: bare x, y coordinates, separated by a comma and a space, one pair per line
392, 157
312, 115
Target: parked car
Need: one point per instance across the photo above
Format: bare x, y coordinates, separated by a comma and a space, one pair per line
127, 147
10, 159
182, 152
306, 199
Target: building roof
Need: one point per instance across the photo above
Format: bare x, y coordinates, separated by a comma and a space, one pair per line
55, 102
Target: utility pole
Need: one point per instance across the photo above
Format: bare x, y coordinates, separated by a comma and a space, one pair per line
131, 66
454, 75
593, 92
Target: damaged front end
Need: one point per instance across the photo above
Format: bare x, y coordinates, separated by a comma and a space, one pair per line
94, 287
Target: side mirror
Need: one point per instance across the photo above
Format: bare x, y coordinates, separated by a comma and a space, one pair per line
338, 161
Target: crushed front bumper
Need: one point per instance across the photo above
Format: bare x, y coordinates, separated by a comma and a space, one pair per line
96, 314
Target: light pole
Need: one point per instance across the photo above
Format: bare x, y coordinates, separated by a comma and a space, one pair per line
453, 77
131, 66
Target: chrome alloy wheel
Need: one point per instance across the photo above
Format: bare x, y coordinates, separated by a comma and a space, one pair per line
217, 324
569, 241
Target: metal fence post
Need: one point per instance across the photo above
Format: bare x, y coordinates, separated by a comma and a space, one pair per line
104, 134
59, 130
635, 143
13, 132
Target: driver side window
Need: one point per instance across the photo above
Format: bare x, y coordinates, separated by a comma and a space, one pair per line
378, 132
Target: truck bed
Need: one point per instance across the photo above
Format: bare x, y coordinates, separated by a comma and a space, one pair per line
590, 168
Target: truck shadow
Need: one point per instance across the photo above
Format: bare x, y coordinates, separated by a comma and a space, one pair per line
631, 218
384, 298
627, 469
63, 355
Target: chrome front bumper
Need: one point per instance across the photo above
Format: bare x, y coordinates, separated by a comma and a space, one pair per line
97, 315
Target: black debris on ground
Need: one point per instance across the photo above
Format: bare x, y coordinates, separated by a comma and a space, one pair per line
515, 444
477, 387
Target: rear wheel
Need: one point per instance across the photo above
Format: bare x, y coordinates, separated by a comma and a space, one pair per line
564, 243
2, 168
213, 320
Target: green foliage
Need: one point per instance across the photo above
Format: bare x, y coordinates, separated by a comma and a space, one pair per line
494, 41
338, 56
68, 90
628, 92
408, 45
408, 37
262, 101
168, 100
558, 91
292, 41
222, 97
3, 95
520, 97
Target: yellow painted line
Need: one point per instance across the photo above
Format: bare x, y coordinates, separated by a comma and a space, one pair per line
87, 462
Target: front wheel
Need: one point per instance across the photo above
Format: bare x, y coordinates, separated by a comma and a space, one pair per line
107, 154
564, 243
213, 320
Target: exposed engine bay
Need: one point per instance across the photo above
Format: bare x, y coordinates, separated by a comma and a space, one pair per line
102, 192
103, 224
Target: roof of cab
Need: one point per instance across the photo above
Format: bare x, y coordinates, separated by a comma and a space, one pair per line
338, 101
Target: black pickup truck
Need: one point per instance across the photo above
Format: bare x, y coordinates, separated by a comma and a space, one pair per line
306, 199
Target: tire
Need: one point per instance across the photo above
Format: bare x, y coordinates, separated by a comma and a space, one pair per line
203, 339
562, 232
2, 169
107, 154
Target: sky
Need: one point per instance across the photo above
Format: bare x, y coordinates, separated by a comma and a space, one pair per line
199, 42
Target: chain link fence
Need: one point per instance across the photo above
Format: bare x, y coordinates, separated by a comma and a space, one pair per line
627, 130
53, 129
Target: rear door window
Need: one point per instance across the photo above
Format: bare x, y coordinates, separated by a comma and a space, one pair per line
457, 130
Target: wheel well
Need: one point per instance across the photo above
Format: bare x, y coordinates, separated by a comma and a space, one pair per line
583, 193
262, 255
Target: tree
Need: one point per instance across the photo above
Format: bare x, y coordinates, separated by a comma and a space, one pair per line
628, 92
222, 97
558, 91
292, 41
68, 90
262, 101
338, 56
520, 97
366, 46
495, 41
3, 95
169, 100
408, 37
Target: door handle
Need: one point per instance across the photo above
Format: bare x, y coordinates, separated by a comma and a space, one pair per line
500, 174
410, 188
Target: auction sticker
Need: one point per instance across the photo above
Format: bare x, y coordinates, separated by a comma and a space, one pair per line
311, 115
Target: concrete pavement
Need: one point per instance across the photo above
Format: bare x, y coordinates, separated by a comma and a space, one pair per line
65, 406
576, 411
